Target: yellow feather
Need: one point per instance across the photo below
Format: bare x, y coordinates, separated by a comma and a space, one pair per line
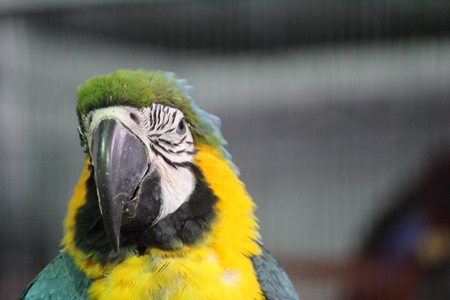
218, 267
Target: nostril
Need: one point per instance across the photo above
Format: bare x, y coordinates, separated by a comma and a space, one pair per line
134, 117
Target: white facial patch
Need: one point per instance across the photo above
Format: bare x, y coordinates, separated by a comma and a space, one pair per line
176, 187
169, 143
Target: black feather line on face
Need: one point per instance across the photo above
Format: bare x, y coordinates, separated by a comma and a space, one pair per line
186, 225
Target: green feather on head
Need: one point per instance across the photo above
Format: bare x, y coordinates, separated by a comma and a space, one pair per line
141, 88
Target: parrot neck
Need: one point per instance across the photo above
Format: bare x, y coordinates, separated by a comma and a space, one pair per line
222, 251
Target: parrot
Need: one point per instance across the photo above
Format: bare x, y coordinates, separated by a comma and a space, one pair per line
159, 211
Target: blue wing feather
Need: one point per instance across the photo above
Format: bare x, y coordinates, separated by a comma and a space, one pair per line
61, 279
274, 282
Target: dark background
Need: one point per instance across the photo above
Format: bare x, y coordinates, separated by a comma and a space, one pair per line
335, 112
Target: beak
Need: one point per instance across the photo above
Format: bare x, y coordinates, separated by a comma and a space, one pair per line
120, 165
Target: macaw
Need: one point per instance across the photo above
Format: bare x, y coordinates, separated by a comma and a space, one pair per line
159, 211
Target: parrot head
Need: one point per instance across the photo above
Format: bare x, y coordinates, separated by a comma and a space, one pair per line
141, 131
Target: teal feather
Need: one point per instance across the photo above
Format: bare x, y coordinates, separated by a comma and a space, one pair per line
61, 279
274, 282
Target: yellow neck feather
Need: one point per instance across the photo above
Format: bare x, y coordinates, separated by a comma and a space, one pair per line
216, 268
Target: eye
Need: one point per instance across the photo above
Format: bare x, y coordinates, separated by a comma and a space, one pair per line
181, 128
134, 117
83, 142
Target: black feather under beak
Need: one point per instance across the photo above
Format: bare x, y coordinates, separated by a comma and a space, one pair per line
128, 186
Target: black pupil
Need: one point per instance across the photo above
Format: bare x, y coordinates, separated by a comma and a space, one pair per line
181, 127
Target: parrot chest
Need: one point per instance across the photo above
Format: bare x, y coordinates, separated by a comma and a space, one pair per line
191, 277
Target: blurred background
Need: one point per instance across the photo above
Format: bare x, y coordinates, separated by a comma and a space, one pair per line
336, 112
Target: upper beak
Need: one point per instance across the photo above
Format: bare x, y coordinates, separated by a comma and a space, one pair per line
120, 165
